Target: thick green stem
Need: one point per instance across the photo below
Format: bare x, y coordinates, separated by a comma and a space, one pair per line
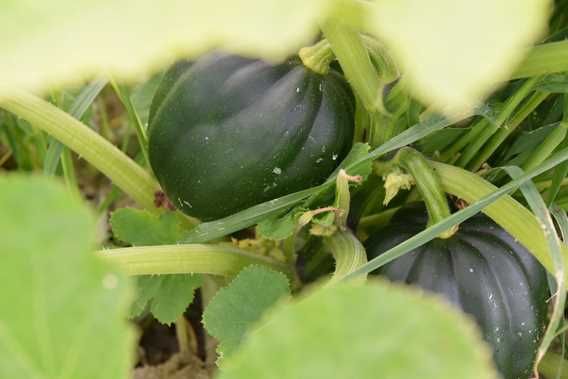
185, 259
507, 212
362, 122
347, 45
381, 128
381, 59
544, 59
123, 171
428, 185
348, 252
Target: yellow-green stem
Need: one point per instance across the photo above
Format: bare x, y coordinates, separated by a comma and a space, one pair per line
348, 252
347, 45
184, 259
107, 158
428, 185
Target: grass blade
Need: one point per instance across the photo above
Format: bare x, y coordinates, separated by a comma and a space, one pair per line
538, 206
77, 110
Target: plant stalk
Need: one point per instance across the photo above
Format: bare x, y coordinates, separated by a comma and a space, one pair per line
117, 166
185, 259
428, 185
349, 49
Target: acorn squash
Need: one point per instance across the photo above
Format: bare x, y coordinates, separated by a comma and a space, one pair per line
228, 132
481, 270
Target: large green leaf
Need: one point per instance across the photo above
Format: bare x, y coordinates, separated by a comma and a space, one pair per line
454, 52
63, 311
377, 330
50, 42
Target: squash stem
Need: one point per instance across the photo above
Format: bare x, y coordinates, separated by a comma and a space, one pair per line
428, 185
348, 46
187, 258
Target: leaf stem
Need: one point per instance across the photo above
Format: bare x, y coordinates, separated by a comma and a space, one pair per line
428, 185
107, 158
347, 45
189, 258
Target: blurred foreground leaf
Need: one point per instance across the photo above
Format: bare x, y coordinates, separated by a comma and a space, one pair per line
364, 332
63, 310
454, 53
47, 43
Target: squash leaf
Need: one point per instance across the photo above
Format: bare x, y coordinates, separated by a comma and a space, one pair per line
142, 228
235, 308
165, 296
280, 227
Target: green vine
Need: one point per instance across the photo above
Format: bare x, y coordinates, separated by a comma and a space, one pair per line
428, 185
190, 258
347, 45
107, 158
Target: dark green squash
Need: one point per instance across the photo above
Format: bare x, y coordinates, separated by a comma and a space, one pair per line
483, 271
227, 132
